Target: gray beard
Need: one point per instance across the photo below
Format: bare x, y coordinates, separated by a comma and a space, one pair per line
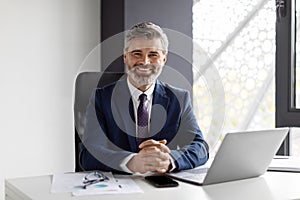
142, 80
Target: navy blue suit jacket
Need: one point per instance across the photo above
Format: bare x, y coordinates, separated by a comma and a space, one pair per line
110, 131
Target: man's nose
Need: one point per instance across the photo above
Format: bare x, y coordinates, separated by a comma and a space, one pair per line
145, 60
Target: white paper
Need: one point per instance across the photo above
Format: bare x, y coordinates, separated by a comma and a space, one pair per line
125, 186
285, 163
72, 182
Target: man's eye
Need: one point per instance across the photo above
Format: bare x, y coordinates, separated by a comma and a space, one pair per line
136, 54
153, 55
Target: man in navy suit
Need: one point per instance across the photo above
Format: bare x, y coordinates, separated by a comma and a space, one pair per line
140, 124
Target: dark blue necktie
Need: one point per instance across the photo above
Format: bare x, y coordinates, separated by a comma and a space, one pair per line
142, 117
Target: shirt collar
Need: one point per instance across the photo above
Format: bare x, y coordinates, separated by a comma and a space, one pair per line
135, 93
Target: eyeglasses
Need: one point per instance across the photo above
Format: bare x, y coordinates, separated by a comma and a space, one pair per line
92, 178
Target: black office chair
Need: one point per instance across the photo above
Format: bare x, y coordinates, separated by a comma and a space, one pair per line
85, 83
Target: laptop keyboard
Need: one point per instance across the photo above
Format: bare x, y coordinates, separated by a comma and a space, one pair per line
196, 175
198, 171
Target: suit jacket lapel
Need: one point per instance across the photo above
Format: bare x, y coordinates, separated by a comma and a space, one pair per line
122, 107
132, 128
159, 110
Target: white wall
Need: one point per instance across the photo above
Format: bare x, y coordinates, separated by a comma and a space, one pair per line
42, 43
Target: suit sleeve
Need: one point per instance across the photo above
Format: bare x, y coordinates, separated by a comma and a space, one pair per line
192, 150
97, 151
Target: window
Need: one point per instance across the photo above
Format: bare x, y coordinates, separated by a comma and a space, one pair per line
239, 39
287, 73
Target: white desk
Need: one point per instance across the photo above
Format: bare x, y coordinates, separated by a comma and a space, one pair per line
272, 185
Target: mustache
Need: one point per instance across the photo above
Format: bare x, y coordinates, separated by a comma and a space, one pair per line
148, 66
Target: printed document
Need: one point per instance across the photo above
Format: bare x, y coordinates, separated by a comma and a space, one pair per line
72, 182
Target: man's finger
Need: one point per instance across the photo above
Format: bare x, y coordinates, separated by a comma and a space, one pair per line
148, 143
164, 141
152, 142
156, 157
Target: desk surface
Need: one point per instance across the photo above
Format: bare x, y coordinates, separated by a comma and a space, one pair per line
272, 185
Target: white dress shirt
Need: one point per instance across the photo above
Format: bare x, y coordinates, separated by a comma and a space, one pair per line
135, 93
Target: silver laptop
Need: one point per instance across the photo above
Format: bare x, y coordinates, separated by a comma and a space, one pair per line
241, 155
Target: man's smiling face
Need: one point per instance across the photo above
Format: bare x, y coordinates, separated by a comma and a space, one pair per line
144, 61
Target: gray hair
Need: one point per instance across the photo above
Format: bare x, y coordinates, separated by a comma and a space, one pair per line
149, 31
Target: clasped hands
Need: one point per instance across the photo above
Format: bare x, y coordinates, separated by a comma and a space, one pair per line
154, 156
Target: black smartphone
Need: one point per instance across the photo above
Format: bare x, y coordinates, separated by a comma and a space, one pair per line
161, 181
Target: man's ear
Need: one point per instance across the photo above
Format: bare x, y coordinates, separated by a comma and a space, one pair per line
165, 58
124, 57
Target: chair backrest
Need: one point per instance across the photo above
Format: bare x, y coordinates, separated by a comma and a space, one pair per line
85, 83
